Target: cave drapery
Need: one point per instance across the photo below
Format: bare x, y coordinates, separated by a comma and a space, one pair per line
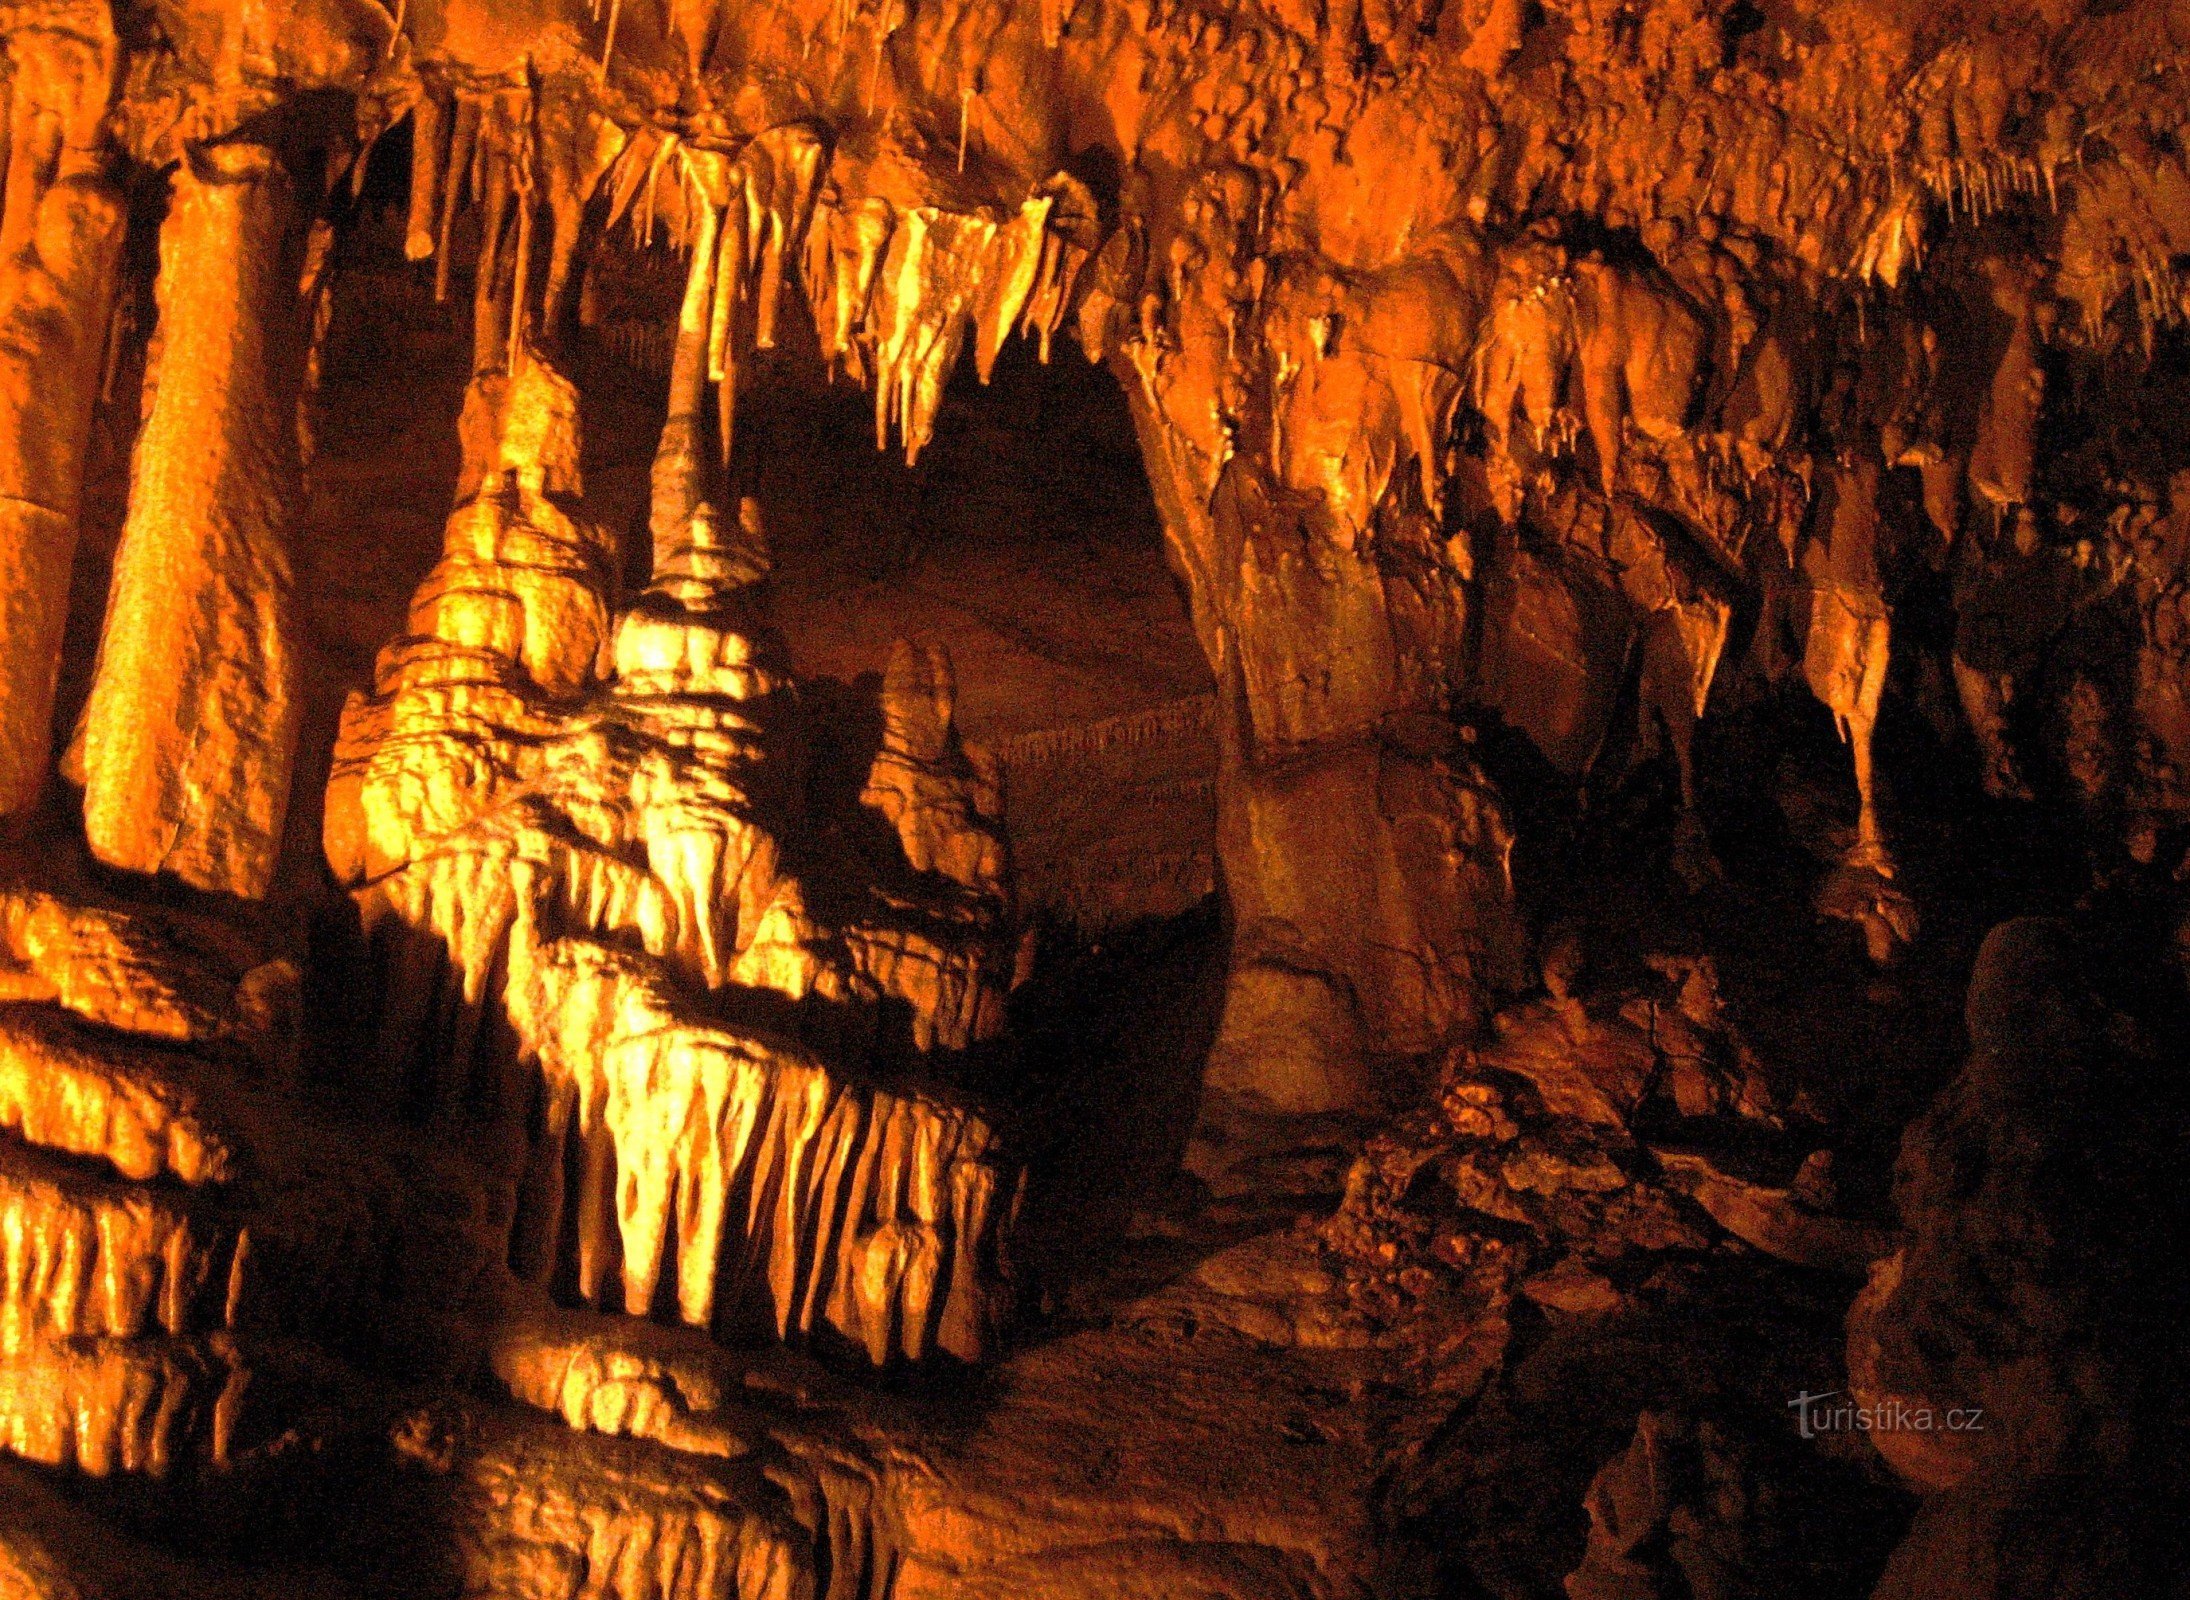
1570, 375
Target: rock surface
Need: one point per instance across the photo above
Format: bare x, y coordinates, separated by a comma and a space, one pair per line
2015, 1180
565, 1179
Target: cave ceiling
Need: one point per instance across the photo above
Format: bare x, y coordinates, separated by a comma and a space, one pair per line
559, 1038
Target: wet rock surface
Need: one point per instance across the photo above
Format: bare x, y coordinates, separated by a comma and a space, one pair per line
1497, 910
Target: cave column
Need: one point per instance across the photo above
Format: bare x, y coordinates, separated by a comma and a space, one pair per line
60, 237
192, 725
1350, 930
1363, 861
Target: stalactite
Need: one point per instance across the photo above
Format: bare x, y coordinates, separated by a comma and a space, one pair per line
577, 149
429, 170
678, 484
455, 181
867, 1212
139, 1406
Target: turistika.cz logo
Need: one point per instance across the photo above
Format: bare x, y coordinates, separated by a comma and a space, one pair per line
1818, 1413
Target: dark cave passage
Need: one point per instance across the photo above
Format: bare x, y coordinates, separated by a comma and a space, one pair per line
1506, 800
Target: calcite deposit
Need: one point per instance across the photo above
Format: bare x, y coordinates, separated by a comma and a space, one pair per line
1083, 797
568, 824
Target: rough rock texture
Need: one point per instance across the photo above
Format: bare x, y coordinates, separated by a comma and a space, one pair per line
2021, 1198
1678, 1506
60, 237
171, 1231
1587, 1136
1528, 395
190, 736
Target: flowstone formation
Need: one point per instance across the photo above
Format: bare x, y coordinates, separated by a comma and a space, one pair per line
175, 1237
604, 903
1643, 480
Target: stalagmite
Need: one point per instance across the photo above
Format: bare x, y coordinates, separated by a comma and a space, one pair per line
1545, 406
59, 242
609, 837
191, 731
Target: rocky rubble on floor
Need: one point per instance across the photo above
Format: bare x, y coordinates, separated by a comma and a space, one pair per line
1589, 1134
1593, 1135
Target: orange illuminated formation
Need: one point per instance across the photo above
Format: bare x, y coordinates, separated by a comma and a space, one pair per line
1497, 907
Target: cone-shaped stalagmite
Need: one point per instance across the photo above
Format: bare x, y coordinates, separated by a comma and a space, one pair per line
680, 463
192, 724
58, 242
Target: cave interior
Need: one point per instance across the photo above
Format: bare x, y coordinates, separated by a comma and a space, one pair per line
1053, 799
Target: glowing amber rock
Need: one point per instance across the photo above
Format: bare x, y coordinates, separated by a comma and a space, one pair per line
191, 730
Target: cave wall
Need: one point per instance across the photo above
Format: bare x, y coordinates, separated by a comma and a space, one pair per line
1482, 355
1494, 366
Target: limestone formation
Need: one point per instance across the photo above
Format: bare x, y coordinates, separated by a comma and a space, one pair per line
1579, 1134
60, 235
531, 1066
190, 736
2008, 1179
607, 834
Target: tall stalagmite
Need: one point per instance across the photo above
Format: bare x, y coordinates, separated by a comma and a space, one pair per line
1562, 418
192, 725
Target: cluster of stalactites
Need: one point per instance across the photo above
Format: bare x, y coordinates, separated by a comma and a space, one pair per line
899, 276
897, 289
873, 1213
740, 217
519, 152
903, 259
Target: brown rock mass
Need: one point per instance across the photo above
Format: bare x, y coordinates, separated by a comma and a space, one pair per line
60, 235
1356, 899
